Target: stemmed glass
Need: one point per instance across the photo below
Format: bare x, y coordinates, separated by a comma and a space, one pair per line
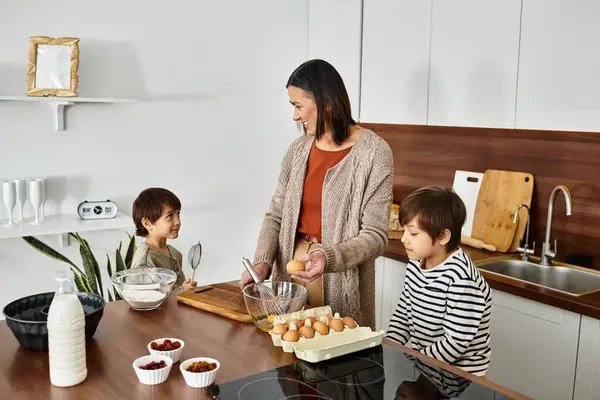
21, 188
44, 197
9, 198
35, 198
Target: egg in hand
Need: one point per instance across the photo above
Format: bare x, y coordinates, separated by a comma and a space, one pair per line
294, 266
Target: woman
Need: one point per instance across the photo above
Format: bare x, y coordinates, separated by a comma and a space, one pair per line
332, 202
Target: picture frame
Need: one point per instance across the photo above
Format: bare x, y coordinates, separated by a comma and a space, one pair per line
53, 66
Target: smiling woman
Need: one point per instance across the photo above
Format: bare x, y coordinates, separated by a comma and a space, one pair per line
331, 207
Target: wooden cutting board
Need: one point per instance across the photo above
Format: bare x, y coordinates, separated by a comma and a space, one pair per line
218, 299
500, 194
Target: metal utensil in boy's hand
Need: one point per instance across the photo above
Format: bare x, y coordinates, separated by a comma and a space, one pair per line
194, 257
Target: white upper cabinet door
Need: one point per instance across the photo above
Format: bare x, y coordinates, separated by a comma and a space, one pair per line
559, 68
474, 63
395, 61
334, 35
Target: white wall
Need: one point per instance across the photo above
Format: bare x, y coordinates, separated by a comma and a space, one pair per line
212, 123
335, 34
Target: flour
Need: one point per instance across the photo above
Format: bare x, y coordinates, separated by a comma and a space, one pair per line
143, 298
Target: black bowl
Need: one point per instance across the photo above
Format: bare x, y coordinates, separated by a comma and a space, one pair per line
27, 317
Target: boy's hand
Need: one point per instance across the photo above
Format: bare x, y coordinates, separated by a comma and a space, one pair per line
188, 284
315, 265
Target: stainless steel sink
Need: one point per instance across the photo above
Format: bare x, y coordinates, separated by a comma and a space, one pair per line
565, 278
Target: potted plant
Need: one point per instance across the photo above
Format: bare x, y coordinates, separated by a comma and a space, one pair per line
89, 278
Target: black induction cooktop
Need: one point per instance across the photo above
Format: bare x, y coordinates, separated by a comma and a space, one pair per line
382, 372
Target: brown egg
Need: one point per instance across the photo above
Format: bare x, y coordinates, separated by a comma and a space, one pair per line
311, 321
337, 325
321, 328
349, 322
291, 336
307, 332
294, 266
279, 329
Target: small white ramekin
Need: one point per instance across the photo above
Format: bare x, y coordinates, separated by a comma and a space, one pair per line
174, 354
199, 379
154, 376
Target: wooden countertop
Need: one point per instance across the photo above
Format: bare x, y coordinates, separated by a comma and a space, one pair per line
588, 305
122, 337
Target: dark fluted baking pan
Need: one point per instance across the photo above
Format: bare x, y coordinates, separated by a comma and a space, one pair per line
26, 318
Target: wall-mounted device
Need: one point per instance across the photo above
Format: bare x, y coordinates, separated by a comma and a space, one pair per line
97, 209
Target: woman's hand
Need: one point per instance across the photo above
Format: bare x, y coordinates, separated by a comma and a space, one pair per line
315, 265
262, 270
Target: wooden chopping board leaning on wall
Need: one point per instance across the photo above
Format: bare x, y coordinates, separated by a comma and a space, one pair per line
501, 193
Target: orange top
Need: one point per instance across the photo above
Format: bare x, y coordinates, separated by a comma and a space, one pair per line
319, 161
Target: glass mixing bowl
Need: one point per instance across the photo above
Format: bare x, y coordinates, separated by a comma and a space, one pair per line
270, 298
144, 288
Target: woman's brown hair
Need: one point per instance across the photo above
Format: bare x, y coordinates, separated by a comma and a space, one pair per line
323, 83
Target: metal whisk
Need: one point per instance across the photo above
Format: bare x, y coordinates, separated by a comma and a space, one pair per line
270, 302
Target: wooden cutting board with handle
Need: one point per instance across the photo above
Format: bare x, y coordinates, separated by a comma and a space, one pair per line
500, 194
223, 299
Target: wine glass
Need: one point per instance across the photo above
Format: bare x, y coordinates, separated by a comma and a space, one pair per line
9, 198
35, 198
21, 188
44, 181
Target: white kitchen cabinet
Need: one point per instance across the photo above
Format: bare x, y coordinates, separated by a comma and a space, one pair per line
559, 62
534, 347
334, 35
587, 377
474, 63
395, 61
389, 282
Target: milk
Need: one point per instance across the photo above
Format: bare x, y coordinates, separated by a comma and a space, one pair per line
66, 334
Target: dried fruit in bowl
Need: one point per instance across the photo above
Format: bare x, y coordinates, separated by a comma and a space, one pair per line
154, 365
201, 366
167, 345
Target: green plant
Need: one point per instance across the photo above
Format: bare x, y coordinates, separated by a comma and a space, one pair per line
89, 278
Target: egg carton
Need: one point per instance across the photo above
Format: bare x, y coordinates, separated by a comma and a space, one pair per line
288, 346
338, 344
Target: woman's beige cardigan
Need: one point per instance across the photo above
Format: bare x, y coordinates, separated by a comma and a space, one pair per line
357, 196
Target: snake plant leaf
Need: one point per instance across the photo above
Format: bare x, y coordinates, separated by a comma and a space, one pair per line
95, 265
110, 298
117, 295
119, 260
50, 252
88, 256
108, 267
131, 249
80, 283
88, 260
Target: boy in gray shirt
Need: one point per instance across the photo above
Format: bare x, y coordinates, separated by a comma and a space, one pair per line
156, 217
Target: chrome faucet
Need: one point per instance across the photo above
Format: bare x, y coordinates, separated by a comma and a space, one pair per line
525, 249
548, 253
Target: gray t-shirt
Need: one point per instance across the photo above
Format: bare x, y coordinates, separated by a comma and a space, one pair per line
146, 256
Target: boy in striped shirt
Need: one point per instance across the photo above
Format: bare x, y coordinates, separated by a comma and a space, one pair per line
445, 307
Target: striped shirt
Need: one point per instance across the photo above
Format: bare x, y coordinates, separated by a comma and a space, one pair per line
445, 313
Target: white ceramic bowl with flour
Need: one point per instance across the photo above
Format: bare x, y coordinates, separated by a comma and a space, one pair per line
144, 288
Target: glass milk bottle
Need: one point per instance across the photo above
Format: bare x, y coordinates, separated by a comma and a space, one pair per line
66, 334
